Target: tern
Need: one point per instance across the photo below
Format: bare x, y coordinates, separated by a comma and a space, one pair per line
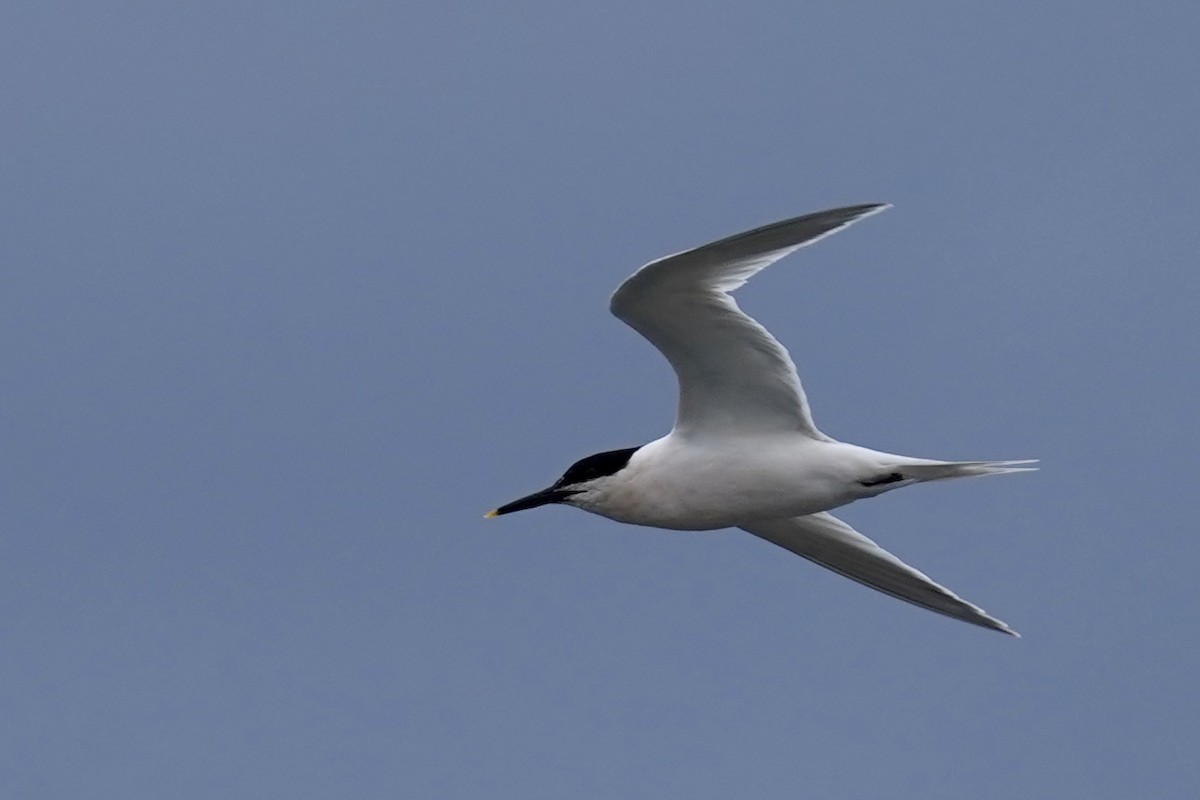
744, 452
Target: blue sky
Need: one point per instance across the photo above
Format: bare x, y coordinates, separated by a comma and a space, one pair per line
292, 293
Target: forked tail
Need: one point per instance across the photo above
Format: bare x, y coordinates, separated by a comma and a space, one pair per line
941, 470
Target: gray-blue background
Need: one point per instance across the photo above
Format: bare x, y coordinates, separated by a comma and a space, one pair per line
292, 293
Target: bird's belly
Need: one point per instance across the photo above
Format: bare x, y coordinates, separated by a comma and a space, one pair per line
723, 498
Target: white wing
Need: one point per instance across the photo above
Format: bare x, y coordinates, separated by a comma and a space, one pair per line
826, 540
733, 374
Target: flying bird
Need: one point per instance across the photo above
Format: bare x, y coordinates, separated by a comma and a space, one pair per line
745, 452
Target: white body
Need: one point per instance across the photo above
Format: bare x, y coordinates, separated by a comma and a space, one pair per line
677, 483
745, 451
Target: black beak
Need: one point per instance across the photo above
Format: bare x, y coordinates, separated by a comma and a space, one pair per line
544, 497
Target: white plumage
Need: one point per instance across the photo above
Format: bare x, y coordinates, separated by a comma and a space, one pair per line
745, 451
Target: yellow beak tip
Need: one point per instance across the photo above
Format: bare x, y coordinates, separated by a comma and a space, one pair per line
491, 514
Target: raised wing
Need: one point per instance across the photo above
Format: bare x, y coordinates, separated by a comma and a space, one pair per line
733, 374
826, 540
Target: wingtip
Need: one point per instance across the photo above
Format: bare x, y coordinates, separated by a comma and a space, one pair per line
863, 211
993, 624
1003, 628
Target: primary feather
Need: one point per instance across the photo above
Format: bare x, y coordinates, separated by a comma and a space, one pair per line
733, 374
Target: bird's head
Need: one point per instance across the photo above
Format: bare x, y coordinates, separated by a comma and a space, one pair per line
582, 485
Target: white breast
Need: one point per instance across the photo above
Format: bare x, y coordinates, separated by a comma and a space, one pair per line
688, 485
